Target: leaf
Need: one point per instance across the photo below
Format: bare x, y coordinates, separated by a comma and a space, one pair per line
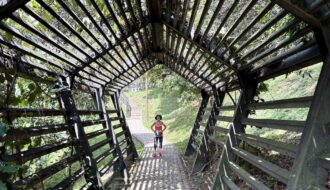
9, 169
31, 86
2, 79
3, 130
3, 185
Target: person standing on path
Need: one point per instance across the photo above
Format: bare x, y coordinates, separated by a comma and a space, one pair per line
158, 127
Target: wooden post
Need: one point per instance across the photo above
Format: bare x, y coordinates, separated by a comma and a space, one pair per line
91, 173
248, 90
120, 169
190, 146
202, 156
312, 158
131, 150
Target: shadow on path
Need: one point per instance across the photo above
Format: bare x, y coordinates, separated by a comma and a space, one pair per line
165, 172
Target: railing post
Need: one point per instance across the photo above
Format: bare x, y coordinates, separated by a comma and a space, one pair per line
120, 169
248, 91
202, 157
131, 146
312, 157
190, 146
91, 173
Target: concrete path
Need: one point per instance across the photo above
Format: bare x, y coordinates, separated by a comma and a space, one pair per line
165, 172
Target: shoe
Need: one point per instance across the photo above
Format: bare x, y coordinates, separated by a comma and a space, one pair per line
154, 154
161, 154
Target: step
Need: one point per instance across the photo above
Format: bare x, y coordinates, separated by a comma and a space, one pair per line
266, 166
325, 160
281, 147
290, 125
247, 177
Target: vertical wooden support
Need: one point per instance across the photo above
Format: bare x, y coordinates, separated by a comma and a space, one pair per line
308, 169
120, 169
248, 90
91, 173
131, 146
202, 156
190, 146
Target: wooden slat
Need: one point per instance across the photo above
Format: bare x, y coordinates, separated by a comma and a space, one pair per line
284, 148
96, 133
254, 182
66, 183
120, 134
108, 166
112, 111
100, 144
45, 173
220, 129
229, 183
27, 155
20, 133
114, 118
92, 122
217, 140
228, 108
281, 104
29, 112
277, 172
89, 112
117, 126
290, 125
104, 155
224, 118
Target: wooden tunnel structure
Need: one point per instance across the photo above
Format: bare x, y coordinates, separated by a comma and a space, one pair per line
100, 46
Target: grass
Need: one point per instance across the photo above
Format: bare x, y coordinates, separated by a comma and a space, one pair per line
178, 117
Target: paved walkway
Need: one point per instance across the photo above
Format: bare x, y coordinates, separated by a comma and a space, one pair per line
155, 173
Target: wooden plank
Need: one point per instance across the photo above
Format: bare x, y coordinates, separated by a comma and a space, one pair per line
301, 102
277, 172
228, 108
281, 147
108, 166
229, 183
67, 182
96, 133
104, 155
21, 133
31, 154
224, 118
100, 144
254, 182
217, 140
30, 112
290, 125
89, 112
114, 118
220, 129
45, 173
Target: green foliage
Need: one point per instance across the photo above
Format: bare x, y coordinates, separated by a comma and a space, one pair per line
169, 81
